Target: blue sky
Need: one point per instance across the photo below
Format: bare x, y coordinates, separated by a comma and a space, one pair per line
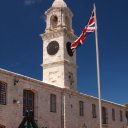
22, 21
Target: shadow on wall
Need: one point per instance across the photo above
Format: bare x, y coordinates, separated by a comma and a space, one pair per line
1, 126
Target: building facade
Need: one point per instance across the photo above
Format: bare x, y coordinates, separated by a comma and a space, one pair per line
55, 101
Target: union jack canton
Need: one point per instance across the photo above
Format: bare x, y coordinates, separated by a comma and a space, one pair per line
89, 28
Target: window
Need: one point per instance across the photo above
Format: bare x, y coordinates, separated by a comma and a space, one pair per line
67, 21
3, 88
121, 115
126, 116
81, 108
93, 110
71, 81
54, 21
52, 103
28, 102
104, 116
113, 114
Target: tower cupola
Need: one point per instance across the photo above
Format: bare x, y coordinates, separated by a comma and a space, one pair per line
58, 16
59, 3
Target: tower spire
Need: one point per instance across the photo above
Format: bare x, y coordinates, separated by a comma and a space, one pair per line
59, 3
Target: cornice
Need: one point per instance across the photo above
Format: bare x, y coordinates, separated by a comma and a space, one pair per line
59, 63
57, 33
85, 96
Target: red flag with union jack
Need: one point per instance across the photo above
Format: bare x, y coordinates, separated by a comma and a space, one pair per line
89, 28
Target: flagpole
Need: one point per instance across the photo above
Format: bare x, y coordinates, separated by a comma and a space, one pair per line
98, 69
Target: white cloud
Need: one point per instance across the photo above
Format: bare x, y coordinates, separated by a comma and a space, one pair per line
14, 65
31, 2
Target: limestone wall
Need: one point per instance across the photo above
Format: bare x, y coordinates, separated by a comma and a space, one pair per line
74, 120
67, 114
11, 114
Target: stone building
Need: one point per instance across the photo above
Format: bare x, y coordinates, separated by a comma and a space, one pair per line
55, 101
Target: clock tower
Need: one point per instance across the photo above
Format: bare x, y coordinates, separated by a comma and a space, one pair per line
59, 63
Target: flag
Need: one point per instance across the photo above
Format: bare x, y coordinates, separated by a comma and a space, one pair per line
89, 28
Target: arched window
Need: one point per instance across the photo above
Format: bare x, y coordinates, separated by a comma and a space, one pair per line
28, 103
53, 21
3, 89
67, 21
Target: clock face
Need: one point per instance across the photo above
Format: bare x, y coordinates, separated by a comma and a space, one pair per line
53, 47
69, 50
